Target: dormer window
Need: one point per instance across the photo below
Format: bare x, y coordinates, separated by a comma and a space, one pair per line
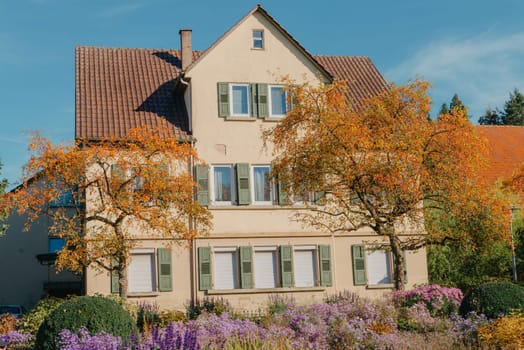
258, 39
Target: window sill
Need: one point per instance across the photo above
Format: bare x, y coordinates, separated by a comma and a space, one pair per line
380, 286
274, 119
241, 119
256, 207
264, 290
142, 295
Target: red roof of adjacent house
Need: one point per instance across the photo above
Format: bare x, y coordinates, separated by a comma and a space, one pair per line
118, 89
506, 145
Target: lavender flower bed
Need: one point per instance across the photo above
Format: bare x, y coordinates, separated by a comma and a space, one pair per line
422, 318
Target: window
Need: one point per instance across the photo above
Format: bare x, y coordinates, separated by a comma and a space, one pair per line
378, 267
55, 244
262, 184
305, 266
258, 39
65, 199
240, 105
223, 189
266, 267
277, 97
141, 271
373, 266
226, 268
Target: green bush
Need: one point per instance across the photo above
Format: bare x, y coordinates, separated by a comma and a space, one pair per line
210, 305
31, 321
494, 299
97, 314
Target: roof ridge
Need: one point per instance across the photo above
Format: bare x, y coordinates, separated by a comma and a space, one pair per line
500, 126
356, 56
128, 48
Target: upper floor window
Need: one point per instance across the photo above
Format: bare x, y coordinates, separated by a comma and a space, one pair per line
277, 98
240, 105
258, 39
223, 189
55, 244
262, 184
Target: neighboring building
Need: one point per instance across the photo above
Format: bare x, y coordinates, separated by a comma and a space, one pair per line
219, 100
506, 150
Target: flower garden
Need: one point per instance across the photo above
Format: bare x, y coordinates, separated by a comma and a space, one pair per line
429, 317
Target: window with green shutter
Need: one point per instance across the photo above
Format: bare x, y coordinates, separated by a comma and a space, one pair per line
223, 100
202, 179
205, 280
246, 268
325, 265
359, 264
286, 266
242, 174
165, 279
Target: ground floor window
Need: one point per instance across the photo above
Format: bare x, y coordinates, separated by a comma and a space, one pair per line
378, 266
141, 271
305, 266
226, 268
266, 267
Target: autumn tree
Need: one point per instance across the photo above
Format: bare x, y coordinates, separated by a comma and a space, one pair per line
384, 166
3, 186
103, 196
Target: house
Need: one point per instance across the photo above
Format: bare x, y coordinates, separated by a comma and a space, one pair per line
219, 99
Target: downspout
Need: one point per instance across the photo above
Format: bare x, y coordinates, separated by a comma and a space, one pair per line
191, 223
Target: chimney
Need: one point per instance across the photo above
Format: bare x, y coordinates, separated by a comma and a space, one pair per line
185, 46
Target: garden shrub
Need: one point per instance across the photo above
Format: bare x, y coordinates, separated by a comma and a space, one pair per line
494, 299
31, 321
504, 333
438, 300
97, 314
168, 316
146, 316
209, 305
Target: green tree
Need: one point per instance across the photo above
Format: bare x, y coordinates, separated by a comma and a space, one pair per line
491, 117
456, 107
444, 109
513, 113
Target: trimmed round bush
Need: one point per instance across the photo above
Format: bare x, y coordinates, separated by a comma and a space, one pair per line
96, 314
494, 299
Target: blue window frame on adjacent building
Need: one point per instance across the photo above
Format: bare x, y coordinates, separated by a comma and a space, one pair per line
55, 244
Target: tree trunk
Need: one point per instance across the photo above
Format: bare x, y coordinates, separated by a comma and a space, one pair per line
122, 281
398, 260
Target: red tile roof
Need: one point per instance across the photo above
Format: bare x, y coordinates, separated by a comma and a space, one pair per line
506, 145
363, 80
118, 89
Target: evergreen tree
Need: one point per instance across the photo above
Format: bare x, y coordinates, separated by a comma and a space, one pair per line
444, 109
456, 107
491, 117
514, 109
3, 186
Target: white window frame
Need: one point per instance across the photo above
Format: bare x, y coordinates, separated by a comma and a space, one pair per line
236, 271
150, 252
313, 249
261, 40
212, 185
231, 100
270, 102
272, 249
389, 265
271, 185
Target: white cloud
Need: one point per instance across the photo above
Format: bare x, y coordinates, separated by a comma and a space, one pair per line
119, 10
481, 69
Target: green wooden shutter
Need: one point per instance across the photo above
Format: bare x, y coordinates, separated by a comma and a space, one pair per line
223, 99
165, 280
325, 265
254, 99
202, 179
286, 266
263, 102
359, 264
115, 286
244, 195
318, 195
205, 278
246, 267
405, 267
283, 197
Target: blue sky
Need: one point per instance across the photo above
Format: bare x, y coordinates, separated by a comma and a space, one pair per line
471, 47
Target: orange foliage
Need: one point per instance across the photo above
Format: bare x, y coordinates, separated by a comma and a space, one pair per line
378, 165
120, 190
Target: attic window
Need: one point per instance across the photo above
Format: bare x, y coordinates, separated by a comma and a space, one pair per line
258, 39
